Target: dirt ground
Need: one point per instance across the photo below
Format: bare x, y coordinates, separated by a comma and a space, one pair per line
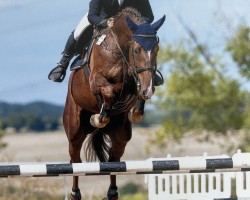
53, 147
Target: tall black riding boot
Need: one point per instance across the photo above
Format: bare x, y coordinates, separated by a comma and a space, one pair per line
58, 73
158, 78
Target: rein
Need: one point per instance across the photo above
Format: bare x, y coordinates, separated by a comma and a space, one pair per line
134, 74
135, 71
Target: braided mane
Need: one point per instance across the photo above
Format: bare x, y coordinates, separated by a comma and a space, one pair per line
134, 12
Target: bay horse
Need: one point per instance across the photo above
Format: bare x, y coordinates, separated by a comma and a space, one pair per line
105, 99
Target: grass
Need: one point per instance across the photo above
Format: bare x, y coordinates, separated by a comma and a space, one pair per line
28, 189
37, 189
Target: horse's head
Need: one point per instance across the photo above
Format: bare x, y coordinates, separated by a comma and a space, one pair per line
143, 50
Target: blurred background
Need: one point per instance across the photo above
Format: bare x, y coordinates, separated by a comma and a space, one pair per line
204, 58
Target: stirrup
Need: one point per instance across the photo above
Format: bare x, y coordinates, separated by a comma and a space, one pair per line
57, 74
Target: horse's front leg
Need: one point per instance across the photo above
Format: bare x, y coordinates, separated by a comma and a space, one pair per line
100, 86
136, 114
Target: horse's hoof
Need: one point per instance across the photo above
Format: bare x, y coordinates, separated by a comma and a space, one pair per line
114, 198
111, 198
135, 116
75, 195
94, 121
112, 193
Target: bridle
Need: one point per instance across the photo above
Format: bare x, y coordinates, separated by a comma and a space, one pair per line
147, 68
135, 69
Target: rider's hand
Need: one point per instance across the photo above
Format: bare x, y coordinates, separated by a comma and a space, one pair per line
110, 22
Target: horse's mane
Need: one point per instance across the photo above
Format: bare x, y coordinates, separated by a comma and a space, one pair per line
134, 12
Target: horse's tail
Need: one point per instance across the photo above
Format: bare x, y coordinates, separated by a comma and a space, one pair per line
97, 146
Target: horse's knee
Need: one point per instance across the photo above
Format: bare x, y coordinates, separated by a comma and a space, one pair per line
108, 90
108, 93
135, 115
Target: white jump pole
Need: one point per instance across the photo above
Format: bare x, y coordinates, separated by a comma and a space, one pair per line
222, 163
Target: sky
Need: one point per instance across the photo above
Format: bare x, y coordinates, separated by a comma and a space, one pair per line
33, 34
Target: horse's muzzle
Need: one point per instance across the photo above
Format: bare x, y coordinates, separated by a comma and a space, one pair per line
147, 94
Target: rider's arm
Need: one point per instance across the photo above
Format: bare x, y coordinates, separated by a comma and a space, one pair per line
95, 8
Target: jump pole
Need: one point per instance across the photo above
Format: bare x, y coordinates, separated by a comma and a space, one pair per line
223, 163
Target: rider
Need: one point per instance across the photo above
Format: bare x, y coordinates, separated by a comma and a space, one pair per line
99, 15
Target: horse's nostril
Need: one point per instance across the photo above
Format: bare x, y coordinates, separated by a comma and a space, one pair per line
145, 95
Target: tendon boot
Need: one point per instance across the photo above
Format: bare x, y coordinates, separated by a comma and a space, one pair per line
59, 72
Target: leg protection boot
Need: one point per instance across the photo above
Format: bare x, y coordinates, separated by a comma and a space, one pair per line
59, 72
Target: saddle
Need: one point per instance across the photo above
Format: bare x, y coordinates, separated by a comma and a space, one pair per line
83, 48
83, 58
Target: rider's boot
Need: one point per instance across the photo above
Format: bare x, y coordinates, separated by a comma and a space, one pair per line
158, 80
58, 73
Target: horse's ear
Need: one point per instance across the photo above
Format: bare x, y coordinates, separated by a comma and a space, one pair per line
159, 23
133, 26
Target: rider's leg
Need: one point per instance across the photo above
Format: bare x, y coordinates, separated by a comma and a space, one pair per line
158, 80
59, 72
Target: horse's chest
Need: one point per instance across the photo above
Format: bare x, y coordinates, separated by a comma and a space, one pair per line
114, 72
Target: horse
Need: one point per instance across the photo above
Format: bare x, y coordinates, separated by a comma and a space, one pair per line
109, 94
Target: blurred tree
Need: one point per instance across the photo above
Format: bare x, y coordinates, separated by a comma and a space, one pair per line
239, 47
51, 123
36, 116
2, 144
16, 121
198, 94
32, 122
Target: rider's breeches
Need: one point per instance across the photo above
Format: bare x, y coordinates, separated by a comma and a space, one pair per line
81, 26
